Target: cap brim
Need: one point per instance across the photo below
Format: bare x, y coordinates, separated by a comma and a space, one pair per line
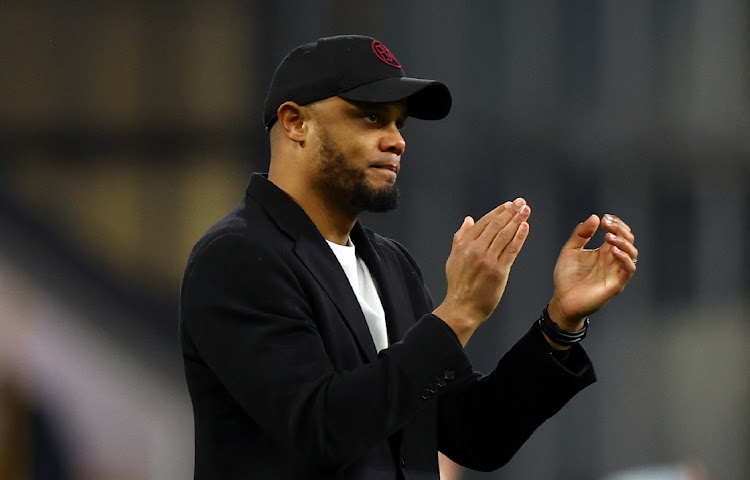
425, 99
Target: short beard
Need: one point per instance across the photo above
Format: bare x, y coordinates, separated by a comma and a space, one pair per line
347, 186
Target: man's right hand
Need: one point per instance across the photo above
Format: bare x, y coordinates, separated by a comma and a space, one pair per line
479, 264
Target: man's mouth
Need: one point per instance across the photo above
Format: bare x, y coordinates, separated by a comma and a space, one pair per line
387, 166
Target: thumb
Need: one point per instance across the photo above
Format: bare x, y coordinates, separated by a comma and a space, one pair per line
465, 227
583, 233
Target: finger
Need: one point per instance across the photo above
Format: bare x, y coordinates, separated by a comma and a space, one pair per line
583, 233
505, 235
614, 218
625, 261
614, 224
483, 222
494, 221
623, 244
514, 247
465, 227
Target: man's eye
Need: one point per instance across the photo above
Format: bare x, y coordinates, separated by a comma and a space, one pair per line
371, 117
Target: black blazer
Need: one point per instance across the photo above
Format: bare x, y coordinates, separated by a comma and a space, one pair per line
285, 379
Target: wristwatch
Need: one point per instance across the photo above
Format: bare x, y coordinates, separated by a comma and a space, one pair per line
559, 336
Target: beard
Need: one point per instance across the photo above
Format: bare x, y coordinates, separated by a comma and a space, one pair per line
345, 185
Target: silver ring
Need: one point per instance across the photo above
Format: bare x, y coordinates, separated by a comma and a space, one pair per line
635, 260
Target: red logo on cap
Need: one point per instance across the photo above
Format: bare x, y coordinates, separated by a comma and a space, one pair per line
385, 55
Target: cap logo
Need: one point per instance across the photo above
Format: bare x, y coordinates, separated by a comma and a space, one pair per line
383, 54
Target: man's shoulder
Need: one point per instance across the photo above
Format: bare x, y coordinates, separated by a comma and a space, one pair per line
394, 248
246, 225
382, 242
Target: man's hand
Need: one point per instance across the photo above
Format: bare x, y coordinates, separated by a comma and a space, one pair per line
479, 264
585, 280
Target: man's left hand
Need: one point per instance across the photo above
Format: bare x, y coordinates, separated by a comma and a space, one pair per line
585, 280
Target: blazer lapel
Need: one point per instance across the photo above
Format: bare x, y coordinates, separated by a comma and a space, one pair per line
324, 266
313, 251
393, 292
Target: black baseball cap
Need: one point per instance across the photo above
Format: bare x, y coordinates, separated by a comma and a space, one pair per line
356, 68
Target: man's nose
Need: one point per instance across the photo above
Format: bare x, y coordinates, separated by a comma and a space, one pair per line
393, 142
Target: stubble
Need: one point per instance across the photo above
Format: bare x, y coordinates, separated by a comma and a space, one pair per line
347, 185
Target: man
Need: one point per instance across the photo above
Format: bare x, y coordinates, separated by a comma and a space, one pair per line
312, 349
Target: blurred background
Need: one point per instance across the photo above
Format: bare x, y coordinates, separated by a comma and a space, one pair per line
128, 127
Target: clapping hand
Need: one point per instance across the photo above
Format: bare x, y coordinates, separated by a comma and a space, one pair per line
585, 279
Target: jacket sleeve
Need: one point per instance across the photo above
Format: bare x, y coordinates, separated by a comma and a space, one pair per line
249, 318
484, 421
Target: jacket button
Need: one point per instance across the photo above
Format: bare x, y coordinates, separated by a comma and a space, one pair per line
449, 375
441, 381
426, 394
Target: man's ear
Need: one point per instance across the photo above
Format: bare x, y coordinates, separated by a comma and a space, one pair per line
293, 120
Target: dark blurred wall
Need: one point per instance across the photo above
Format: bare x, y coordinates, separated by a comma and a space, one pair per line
127, 128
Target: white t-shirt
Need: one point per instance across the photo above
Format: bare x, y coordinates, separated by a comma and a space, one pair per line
364, 288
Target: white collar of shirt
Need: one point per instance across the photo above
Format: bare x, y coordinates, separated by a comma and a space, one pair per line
364, 288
